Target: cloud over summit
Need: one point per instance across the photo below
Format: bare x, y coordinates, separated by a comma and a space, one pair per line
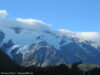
28, 24
38, 25
83, 36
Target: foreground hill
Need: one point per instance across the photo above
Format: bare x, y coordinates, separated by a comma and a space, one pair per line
6, 63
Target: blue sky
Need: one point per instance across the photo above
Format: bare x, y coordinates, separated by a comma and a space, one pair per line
75, 15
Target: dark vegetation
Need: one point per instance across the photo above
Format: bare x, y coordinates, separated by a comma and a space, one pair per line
8, 65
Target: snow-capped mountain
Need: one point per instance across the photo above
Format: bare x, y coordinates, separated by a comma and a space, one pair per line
42, 48
33, 42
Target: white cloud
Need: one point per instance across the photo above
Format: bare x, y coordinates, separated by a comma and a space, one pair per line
90, 36
3, 13
29, 20
65, 32
29, 24
33, 24
83, 36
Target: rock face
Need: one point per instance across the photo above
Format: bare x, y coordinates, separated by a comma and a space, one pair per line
48, 55
29, 47
42, 55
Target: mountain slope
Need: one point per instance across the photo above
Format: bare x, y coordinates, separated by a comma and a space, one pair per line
42, 48
6, 63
